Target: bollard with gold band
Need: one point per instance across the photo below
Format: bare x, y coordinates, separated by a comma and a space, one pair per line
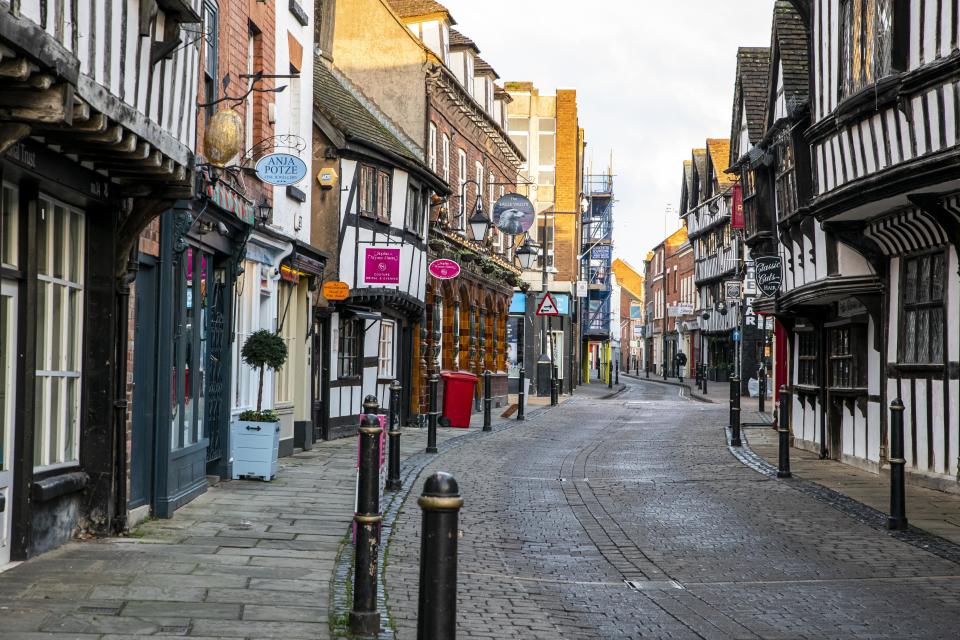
487, 399
522, 394
393, 462
364, 617
437, 604
433, 415
735, 411
898, 497
783, 429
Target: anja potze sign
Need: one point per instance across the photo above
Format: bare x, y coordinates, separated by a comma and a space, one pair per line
281, 169
381, 265
769, 274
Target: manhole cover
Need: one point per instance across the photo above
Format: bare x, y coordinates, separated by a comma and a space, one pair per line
653, 585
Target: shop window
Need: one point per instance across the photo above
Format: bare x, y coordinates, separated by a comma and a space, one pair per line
455, 335
60, 267
385, 360
807, 358
287, 313
847, 357
922, 309
9, 235
866, 43
189, 345
437, 322
349, 345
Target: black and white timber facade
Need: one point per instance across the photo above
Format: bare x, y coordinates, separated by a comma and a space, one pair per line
857, 188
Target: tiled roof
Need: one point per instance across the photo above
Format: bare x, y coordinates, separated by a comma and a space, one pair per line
481, 66
459, 41
700, 168
417, 8
333, 97
687, 181
790, 37
719, 150
753, 70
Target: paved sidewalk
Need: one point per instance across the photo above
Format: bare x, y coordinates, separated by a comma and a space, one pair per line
246, 560
933, 511
717, 393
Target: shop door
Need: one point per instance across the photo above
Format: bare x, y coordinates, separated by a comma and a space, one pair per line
142, 447
320, 377
8, 375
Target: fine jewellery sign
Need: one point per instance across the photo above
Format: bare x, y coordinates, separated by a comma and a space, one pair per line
281, 169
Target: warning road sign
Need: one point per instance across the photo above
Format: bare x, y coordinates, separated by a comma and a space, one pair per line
547, 306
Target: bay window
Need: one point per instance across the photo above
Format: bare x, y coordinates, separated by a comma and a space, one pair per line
922, 309
866, 43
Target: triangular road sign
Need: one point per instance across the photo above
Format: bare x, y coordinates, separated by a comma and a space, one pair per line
548, 307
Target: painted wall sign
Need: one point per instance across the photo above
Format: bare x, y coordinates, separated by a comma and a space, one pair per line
336, 291
381, 265
281, 169
769, 274
444, 269
513, 214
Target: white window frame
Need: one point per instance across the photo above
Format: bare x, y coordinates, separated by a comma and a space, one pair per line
446, 158
284, 379
432, 147
386, 361
478, 166
462, 175
67, 332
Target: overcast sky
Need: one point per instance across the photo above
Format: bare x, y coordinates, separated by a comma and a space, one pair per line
654, 80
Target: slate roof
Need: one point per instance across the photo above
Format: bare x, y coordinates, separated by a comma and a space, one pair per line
335, 100
719, 150
481, 66
458, 41
700, 168
790, 38
417, 8
687, 183
753, 72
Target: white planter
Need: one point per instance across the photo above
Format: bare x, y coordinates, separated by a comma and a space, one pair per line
254, 447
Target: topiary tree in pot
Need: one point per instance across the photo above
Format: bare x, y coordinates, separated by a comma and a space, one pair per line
263, 349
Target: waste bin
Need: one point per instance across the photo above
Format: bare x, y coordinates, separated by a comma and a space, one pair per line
458, 390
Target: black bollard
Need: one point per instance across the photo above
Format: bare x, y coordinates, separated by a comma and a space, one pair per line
648, 371
432, 415
763, 389
437, 604
783, 428
664, 370
522, 394
735, 411
393, 463
487, 399
554, 388
898, 495
364, 617
618, 371
610, 374
705, 373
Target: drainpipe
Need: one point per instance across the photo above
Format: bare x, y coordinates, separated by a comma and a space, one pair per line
120, 392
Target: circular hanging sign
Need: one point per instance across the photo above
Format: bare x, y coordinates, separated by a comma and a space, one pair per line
444, 269
335, 291
513, 214
281, 169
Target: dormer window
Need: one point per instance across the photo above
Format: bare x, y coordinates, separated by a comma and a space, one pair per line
866, 43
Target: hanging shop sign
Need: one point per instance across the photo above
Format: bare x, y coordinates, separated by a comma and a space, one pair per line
335, 291
736, 217
381, 265
750, 279
733, 289
513, 214
444, 269
281, 169
769, 274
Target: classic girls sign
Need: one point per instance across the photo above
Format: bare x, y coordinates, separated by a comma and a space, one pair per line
381, 266
281, 169
769, 274
444, 269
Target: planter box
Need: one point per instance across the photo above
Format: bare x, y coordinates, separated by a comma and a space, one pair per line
254, 447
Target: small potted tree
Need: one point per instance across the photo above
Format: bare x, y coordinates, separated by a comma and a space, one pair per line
255, 440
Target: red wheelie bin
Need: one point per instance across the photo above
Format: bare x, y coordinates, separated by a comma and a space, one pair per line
458, 390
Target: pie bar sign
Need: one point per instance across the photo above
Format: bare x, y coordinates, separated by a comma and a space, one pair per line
769, 274
381, 266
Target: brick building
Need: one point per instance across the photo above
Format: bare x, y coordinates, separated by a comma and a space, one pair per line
671, 296
632, 298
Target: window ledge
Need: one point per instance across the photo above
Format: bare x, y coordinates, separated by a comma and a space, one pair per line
59, 485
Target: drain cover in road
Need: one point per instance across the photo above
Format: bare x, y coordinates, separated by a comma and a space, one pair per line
653, 585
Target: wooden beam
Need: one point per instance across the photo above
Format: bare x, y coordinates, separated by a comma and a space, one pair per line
15, 69
53, 106
11, 133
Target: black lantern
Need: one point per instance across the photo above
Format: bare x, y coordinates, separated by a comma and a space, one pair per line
264, 210
526, 254
479, 222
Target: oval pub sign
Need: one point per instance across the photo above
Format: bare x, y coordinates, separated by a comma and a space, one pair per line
281, 169
444, 269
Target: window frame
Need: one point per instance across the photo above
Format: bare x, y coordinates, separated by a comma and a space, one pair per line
375, 187
807, 359
211, 52
386, 360
432, 147
846, 368
350, 354
855, 55
445, 147
928, 305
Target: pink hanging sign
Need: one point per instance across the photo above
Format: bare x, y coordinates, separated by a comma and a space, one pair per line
444, 269
382, 266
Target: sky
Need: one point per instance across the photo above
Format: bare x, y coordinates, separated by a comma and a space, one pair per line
653, 80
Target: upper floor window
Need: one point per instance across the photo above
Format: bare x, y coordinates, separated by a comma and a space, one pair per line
547, 151
211, 29
374, 192
922, 309
866, 43
786, 182
432, 147
519, 130
462, 179
415, 210
445, 149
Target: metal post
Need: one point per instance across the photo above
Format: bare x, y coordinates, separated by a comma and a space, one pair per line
487, 399
763, 387
393, 463
735, 411
783, 428
522, 393
437, 604
618, 371
705, 373
433, 415
610, 370
554, 390
898, 496
364, 617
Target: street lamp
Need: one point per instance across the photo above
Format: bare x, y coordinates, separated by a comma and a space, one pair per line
527, 253
479, 222
584, 204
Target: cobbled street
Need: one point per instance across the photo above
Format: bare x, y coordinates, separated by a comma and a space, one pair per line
629, 517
